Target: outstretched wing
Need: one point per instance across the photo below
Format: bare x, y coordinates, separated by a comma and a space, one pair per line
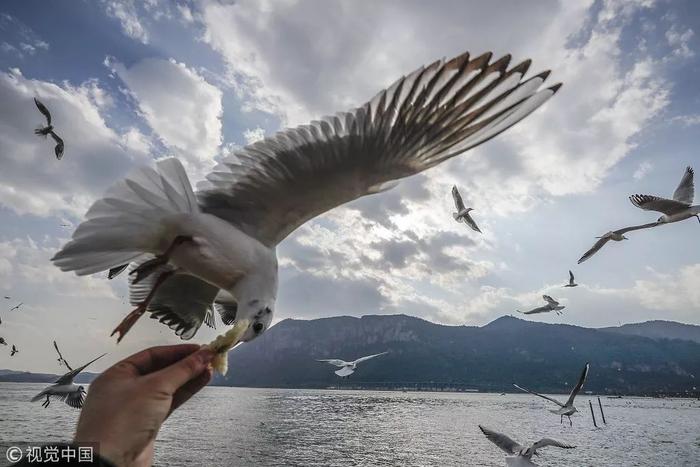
60, 357
550, 300
471, 222
579, 385
68, 377
334, 361
363, 359
655, 203
58, 149
571, 277
594, 249
42, 108
501, 440
273, 186
459, 204
74, 399
685, 193
534, 311
544, 442
540, 395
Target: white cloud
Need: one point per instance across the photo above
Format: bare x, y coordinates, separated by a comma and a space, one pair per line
178, 104
643, 170
252, 135
32, 181
679, 41
126, 13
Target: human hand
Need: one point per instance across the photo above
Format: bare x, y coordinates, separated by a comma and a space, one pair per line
127, 404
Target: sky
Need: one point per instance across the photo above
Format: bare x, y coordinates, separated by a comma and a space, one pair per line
131, 82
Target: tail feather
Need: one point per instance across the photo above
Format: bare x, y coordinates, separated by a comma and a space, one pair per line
127, 221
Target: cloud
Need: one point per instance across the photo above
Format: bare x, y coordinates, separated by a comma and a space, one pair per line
178, 104
679, 41
125, 11
253, 135
32, 181
642, 170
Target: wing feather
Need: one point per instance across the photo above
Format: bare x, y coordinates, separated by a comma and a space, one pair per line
271, 187
459, 204
685, 193
506, 444
540, 395
655, 203
43, 109
579, 385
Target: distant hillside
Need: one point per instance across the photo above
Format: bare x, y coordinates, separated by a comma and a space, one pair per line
545, 357
11, 376
659, 330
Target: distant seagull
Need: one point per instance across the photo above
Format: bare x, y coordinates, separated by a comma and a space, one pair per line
521, 455
552, 305
2, 341
16, 307
348, 368
258, 195
48, 129
61, 361
568, 408
462, 214
65, 390
572, 282
674, 210
13, 351
617, 235
7, 297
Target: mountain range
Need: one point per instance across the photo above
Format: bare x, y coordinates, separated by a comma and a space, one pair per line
645, 358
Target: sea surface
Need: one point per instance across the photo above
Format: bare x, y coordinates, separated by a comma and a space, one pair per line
248, 427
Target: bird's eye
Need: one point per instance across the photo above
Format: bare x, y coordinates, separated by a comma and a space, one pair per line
258, 327
268, 310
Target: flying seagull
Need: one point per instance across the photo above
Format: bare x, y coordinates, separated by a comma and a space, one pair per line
64, 388
7, 297
674, 210
568, 408
13, 351
617, 235
16, 307
61, 360
517, 451
572, 282
462, 214
552, 305
225, 236
48, 129
348, 368
2, 341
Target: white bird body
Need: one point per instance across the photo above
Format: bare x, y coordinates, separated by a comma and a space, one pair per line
517, 454
225, 236
566, 409
348, 368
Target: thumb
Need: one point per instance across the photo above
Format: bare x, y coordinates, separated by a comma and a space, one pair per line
172, 377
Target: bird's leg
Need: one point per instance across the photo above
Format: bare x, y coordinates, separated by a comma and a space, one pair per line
146, 269
570, 424
46, 403
561, 419
132, 317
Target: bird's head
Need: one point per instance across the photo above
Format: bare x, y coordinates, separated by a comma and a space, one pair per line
661, 219
259, 313
81, 389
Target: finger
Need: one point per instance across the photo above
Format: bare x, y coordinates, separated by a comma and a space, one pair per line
191, 388
153, 359
171, 378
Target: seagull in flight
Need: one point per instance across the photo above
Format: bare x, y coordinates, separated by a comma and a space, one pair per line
518, 454
462, 214
348, 368
13, 351
225, 236
7, 297
60, 359
16, 307
674, 210
48, 129
64, 388
566, 409
2, 341
552, 305
572, 282
616, 235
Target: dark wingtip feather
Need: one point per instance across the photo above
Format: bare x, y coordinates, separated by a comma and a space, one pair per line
556, 87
